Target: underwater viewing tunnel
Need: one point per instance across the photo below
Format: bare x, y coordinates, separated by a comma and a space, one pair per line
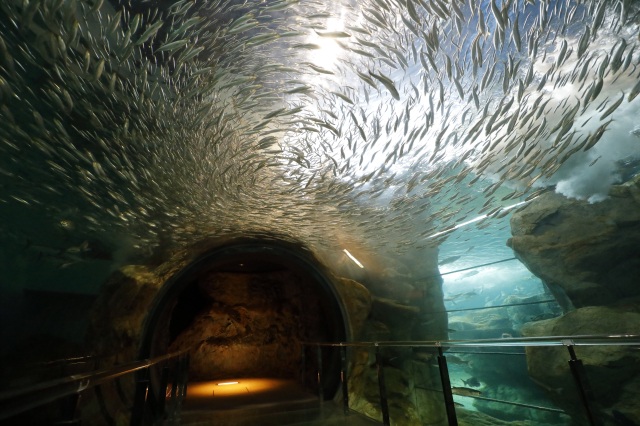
249, 308
420, 212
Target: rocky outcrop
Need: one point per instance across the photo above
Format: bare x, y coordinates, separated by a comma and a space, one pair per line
405, 309
120, 312
612, 371
114, 335
587, 254
399, 318
357, 301
254, 326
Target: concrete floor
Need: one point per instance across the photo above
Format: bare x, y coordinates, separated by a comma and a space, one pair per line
263, 402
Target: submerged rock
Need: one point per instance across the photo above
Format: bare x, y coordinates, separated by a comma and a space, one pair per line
612, 371
395, 314
118, 316
587, 254
357, 301
409, 374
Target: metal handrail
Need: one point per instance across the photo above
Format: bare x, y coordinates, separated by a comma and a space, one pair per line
72, 360
20, 400
575, 340
569, 342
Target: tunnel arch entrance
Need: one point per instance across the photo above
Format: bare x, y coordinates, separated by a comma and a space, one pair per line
245, 308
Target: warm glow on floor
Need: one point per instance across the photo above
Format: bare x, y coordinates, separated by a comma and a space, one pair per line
234, 387
224, 394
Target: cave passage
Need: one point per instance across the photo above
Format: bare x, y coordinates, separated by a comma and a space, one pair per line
245, 311
248, 318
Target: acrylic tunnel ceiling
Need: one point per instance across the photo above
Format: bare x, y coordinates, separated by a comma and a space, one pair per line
377, 126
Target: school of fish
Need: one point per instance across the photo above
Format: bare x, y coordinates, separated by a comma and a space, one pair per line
353, 122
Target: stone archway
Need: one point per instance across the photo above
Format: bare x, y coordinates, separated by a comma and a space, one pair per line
245, 308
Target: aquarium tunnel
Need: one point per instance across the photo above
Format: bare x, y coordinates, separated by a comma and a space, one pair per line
402, 212
246, 309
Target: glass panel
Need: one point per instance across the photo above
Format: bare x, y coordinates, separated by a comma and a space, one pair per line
427, 386
494, 383
364, 394
488, 293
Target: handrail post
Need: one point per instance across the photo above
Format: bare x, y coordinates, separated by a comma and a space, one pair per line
344, 378
178, 387
175, 392
446, 388
382, 386
184, 375
162, 391
582, 382
140, 398
320, 390
174, 384
70, 404
303, 367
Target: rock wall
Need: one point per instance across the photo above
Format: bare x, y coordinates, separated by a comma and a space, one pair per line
589, 257
613, 372
587, 254
403, 308
253, 326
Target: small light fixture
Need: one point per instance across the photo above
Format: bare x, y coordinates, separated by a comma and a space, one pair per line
227, 383
353, 258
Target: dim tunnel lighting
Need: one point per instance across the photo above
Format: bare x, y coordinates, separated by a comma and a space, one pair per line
231, 388
353, 258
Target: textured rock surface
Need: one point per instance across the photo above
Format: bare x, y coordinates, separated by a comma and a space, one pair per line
407, 372
587, 254
612, 371
119, 313
398, 317
357, 302
116, 328
253, 326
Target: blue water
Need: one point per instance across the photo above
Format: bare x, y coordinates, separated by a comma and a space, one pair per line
489, 294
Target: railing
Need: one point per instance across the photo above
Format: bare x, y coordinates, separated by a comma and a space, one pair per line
59, 368
576, 367
68, 389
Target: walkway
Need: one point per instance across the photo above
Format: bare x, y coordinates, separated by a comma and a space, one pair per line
264, 402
